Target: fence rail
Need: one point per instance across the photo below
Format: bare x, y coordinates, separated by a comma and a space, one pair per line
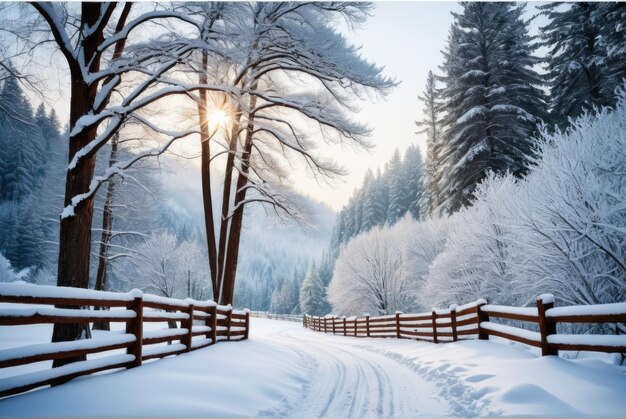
202, 323
476, 320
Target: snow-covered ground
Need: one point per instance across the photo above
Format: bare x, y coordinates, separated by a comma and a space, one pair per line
290, 371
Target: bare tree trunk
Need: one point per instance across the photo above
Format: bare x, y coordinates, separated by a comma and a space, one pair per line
207, 199
105, 236
236, 222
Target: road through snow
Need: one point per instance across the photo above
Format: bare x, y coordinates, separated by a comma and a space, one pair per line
346, 380
288, 371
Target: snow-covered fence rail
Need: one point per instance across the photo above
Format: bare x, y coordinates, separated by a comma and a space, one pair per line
202, 323
476, 320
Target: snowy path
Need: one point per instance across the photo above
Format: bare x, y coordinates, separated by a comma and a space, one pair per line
348, 381
285, 370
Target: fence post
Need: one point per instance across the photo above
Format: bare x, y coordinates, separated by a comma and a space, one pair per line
246, 332
135, 327
213, 320
355, 326
334, 321
453, 322
188, 324
546, 327
397, 325
229, 317
325, 324
435, 327
367, 325
481, 316
345, 329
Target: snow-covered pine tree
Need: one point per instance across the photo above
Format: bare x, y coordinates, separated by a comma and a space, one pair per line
413, 182
577, 74
430, 124
612, 19
21, 145
395, 183
312, 293
491, 96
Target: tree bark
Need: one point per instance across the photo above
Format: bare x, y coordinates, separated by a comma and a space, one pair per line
75, 231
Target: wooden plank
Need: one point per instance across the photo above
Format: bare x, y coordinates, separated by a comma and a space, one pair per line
590, 348
513, 316
164, 354
61, 354
56, 301
511, 337
59, 380
41, 319
595, 318
163, 306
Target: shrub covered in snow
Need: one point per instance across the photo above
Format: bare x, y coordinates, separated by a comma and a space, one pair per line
7, 274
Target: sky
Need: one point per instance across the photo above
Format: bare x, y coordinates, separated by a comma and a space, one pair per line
406, 38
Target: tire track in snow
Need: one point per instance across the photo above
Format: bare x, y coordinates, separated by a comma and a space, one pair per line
348, 380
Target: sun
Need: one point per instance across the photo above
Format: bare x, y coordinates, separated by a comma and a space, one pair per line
218, 118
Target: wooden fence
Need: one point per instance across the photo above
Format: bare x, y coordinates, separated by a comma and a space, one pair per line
477, 320
202, 323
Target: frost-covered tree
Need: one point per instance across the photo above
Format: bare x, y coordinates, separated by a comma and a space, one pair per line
430, 125
491, 97
312, 293
368, 275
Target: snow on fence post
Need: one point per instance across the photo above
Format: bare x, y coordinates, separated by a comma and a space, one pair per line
367, 324
188, 324
345, 328
135, 327
453, 322
482, 316
229, 317
213, 325
546, 327
434, 316
246, 332
397, 325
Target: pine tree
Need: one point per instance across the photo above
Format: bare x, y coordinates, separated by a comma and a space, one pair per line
312, 293
612, 19
430, 125
577, 75
491, 96
413, 176
397, 198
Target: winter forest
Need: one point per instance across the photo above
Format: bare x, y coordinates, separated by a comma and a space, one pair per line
168, 147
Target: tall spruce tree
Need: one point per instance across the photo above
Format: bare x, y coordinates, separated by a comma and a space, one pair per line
430, 125
395, 183
578, 76
492, 98
413, 182
312, 293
